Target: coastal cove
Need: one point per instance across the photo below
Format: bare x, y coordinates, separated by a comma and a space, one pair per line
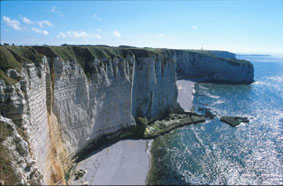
61, 103
141, 92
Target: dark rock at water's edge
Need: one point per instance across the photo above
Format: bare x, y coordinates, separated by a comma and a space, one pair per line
171, 122
207, 113
79, 174
234, 120
151, 130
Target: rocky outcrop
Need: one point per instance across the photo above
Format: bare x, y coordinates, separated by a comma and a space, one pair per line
16, 162
234, 120
206, 112
64, 98
172, 121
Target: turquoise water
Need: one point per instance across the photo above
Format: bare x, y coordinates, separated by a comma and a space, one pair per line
216, 153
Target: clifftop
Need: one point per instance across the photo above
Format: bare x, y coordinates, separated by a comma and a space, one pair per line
14, 57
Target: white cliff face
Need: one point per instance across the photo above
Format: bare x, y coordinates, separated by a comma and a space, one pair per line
90, 108
117, 91
84, 109
154, 87
35, 118
217, 70
25, 104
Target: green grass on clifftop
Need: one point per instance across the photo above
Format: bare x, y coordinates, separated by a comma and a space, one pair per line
16, 56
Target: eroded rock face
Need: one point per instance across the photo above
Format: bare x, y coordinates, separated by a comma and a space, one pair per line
154, 87
117, 91
203, 68
25, 104
89, 108
21, 168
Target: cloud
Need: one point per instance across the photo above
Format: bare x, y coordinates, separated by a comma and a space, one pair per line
194, 27
13, 23
27, 21
76, 34
161, 35
96, 17
72, 34
116, 33
44, 32
44, 23
41, 24
61, 35
97, 36
55, 10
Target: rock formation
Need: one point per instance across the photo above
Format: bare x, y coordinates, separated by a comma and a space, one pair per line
234, 120
57, 100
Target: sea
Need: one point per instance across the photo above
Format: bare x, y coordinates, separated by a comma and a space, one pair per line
216, 153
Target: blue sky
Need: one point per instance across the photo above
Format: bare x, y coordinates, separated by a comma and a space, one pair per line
238, 26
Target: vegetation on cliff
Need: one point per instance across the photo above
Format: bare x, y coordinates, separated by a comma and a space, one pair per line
7, 173
14, 57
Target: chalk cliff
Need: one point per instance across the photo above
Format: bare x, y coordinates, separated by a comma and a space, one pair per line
209, 68
57, 100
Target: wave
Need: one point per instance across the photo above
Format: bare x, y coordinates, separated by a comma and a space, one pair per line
278, 79
259, 83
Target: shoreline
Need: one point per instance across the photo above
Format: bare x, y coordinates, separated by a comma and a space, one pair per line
126, 162
186, 88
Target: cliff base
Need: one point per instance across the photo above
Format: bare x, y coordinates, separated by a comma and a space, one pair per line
143, 130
